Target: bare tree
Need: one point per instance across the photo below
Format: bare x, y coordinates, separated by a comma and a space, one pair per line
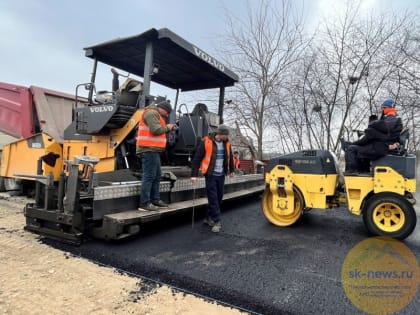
356, 63
319, 93
260, 48
389, 71
406, 76
297, 93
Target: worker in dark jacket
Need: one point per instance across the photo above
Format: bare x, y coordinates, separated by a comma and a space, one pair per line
381, 136
214, 159
389, 115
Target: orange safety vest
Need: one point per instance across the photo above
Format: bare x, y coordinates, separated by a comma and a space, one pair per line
236, 162
208, 148
145, 138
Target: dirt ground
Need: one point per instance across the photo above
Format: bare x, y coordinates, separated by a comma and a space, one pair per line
38, 279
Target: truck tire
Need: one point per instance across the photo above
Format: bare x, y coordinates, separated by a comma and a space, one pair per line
2, 188
388, 214
13, 186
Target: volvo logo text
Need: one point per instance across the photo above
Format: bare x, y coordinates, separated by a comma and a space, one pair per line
103, 108
201, 54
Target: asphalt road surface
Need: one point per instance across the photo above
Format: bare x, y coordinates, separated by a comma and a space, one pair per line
251, 264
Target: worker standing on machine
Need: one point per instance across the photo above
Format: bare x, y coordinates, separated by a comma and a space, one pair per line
236, 161
380, 137
214, 158
151, 141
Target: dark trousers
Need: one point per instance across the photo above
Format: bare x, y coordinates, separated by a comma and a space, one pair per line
355, 163
214, 188
151, 177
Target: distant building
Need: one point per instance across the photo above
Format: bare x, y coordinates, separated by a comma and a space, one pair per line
242, 144
246, 150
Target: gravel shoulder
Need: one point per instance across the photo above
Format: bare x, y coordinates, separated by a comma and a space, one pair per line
38, 279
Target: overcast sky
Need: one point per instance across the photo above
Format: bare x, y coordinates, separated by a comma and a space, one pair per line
43, 40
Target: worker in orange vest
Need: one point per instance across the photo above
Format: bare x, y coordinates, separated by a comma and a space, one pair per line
151, 142
214, 159
236, 160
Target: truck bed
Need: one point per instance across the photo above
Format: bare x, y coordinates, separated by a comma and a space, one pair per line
25, 111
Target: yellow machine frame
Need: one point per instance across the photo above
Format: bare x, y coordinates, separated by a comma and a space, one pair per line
385, 179
20, 157
384, 197
320, 191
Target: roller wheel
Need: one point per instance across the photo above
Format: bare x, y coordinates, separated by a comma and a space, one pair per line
275, 216
389, 215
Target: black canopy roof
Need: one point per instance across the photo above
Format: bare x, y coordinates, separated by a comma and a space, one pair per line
181, 64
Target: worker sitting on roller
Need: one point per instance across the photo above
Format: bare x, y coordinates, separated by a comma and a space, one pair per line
380, 137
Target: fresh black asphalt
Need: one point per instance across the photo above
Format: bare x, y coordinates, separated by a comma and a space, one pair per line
251, 264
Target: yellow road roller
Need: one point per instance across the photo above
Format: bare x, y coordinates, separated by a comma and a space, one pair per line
300, 181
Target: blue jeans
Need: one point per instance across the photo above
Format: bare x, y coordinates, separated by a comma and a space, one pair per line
150, 181
214, 188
